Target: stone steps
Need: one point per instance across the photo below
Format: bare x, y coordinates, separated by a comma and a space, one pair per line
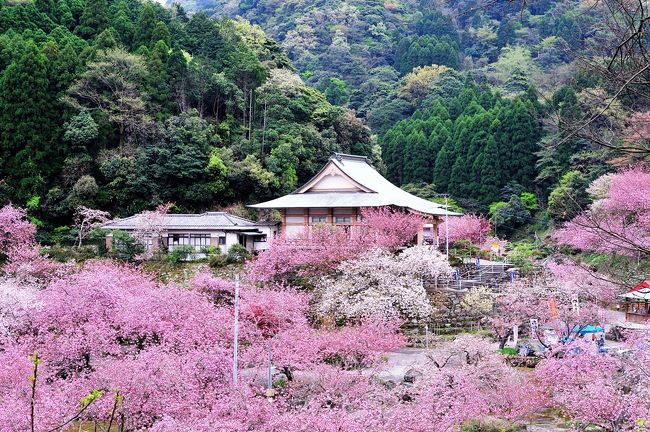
490, 274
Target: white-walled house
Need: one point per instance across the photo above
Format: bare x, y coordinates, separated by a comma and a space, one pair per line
344, 186
217, 229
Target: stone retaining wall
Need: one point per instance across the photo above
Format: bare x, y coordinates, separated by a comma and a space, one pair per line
449, 317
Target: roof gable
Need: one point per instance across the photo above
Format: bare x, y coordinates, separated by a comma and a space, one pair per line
373, 190
643, 285
332, 179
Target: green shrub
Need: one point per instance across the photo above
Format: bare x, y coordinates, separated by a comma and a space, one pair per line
125, 247
87, 252
70, 253
210, 250
180, 253
238, 254
63, 235
61, 253
97, 238
521, 253
529, 200
569, 197
464, 248
508, 351
280, 383
218, 259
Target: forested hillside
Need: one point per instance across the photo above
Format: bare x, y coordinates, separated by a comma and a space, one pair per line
122, 105
476, 100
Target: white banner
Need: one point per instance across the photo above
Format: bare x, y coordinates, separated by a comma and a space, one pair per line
534, 325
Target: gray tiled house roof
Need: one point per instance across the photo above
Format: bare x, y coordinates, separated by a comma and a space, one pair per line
207, 220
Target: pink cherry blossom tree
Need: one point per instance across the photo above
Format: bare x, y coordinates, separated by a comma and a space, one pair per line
19, 247
320, 249
155, 353
563, 296
110, 344
473, 228
467, 379
15, 230
618, 221
594, 389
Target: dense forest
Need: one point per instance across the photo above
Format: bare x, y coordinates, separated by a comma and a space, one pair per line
122, 105
477, 101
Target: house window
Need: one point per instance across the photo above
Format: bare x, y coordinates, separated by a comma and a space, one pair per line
222, 240
318, 219
197, 241
176, 240
342, 219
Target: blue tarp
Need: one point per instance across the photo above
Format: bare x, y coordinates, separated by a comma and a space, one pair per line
588, 329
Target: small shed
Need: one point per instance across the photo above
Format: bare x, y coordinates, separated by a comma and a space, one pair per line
637, 303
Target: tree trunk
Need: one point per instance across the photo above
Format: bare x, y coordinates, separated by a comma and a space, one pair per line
287, 371
504, 339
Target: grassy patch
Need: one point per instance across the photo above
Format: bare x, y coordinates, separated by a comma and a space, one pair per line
508, 351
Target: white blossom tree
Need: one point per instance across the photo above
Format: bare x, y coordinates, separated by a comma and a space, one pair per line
149, 229
17, 299
379, 284
87, 219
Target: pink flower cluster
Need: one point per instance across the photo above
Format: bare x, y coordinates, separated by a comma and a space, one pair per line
321, 248
18, 244
595, 389
473, 228
107, 343
619, 223
163, 351
563, 298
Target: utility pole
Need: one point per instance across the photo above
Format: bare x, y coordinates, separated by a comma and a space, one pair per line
447, 226
269, 381
236, 332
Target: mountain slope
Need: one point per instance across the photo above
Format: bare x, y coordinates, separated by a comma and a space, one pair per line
123, 105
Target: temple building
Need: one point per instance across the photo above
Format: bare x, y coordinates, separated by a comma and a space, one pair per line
336, 195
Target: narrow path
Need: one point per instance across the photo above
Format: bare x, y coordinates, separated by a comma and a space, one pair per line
400, 361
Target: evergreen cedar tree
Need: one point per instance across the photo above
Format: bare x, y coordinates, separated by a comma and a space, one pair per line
470, 148
106, 343
108, 104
